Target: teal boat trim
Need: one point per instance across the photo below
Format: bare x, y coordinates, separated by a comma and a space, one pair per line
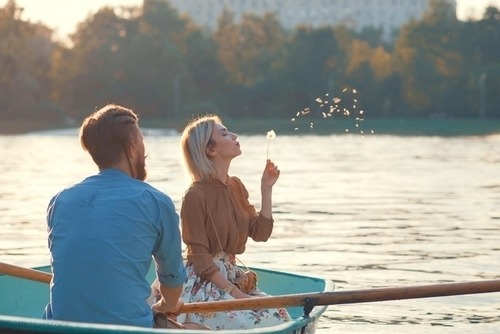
22, 303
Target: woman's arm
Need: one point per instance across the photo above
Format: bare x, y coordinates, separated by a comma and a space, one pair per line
270, 175
224, 284
195, 235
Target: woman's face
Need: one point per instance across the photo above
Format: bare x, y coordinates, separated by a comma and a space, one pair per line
225, 144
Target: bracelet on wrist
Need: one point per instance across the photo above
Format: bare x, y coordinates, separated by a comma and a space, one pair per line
228, 289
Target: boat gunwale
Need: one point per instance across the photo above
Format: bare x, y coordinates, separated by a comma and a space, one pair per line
30, 324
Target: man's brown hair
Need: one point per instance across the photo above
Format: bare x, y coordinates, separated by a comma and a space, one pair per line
108, 133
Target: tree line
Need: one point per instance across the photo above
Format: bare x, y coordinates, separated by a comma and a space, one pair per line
164, 65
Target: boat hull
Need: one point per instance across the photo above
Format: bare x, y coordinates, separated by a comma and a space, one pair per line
22, 303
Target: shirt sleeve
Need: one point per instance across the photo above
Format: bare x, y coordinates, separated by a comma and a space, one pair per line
260, 227
195, 234
167, 254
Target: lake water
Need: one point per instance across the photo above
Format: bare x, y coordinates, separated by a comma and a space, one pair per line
364, 211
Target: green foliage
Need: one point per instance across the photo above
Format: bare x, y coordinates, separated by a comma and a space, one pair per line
25, 64
165, 66
250, 50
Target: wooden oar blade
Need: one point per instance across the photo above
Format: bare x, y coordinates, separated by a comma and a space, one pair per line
346, 297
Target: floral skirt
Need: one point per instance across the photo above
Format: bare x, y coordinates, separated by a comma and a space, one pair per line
197, 290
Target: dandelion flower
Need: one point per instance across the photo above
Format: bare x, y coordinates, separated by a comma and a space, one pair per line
270, 136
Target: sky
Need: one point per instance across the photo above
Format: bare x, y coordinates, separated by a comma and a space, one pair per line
64, 15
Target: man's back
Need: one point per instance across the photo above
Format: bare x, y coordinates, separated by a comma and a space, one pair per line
102, 234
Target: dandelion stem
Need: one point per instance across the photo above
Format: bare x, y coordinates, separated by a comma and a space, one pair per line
270, 136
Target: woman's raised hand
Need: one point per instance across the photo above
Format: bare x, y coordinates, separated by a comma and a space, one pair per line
270, 175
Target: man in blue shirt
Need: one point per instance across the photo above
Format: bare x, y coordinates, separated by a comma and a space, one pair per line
105, 231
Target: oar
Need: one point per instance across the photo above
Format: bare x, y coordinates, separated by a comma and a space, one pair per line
346, 297
26, 273
311, 298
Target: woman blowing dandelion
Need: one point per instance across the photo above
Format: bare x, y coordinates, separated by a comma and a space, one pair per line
217, 220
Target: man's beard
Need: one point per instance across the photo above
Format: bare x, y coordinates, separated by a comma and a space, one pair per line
140, 168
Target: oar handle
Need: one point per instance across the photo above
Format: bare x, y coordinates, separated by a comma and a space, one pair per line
26, 273
346, 297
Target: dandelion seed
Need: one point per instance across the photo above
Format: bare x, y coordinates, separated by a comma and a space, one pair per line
372, 131
270, 136
329, 106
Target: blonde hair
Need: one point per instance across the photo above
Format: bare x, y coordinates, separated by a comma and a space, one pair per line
195, 139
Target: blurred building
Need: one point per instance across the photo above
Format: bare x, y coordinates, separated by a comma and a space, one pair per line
387, 15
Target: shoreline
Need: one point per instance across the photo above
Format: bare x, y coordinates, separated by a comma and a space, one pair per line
400, 127
24, 126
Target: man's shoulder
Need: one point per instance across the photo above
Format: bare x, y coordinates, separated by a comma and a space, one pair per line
155, 192
127, 186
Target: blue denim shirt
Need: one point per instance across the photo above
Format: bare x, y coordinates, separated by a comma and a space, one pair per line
103, 234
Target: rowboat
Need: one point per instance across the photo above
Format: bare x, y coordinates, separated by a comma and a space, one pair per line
24, 294
22, 303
